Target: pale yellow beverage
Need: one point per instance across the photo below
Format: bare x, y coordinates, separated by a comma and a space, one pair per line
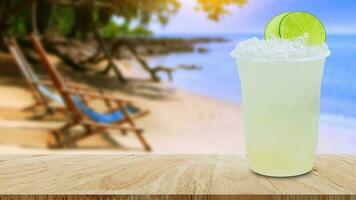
280, 99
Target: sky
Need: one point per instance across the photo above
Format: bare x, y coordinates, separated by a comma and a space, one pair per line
338, 17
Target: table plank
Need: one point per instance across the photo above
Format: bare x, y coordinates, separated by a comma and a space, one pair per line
166, 174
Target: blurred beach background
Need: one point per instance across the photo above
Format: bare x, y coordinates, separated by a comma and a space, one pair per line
199, 111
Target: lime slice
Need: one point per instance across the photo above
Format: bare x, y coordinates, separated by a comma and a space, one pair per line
296, 24
272, 27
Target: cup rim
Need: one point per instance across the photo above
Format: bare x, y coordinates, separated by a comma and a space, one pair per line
319, 57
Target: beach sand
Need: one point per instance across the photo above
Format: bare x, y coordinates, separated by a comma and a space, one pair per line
180, 122
185, 123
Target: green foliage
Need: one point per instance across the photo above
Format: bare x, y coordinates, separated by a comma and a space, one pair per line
74, 17
19, 24
140, 31
62, 19
217, 8
113, 29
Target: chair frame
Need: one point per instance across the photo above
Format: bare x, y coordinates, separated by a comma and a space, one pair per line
76, 117
26, 70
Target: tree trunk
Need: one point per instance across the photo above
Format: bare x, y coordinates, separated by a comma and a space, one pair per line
143, 63
34, 18
45, 7
66, 59
153, 71
103, 45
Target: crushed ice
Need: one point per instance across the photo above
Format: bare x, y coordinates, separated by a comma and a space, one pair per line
277, 48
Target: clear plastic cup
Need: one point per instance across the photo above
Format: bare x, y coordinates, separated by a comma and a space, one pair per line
281, 105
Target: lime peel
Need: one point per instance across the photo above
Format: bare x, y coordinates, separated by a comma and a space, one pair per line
291, 25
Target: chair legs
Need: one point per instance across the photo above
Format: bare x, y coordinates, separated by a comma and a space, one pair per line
143, 141
64, 141
62, 138
31, 107
41, 111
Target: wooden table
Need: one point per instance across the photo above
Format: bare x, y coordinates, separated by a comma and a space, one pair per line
190, 176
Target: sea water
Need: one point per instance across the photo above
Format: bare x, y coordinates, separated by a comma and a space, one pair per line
280, 86
338, 90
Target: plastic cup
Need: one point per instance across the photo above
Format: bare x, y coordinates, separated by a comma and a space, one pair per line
281, 106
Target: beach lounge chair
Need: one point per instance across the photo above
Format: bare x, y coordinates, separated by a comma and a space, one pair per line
40, 92
122, 117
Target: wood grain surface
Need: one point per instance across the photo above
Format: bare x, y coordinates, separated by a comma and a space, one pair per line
168, 175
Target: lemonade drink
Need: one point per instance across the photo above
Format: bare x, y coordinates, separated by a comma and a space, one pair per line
280, 83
